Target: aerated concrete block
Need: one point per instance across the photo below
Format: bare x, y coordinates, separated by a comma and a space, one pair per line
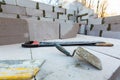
45, 7
13, 31
65, 17
115, 27
59, 20
46, 19
95, 21
34, 12
93, 33
50, 14
100, 27
13, 9
68, 30
12, 27
112, 19
59, 10
26, 3
12, 2
5, 15
43, 30
69, 11
111, 34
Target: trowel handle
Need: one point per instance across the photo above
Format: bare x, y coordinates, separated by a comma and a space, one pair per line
63, 50
104, 44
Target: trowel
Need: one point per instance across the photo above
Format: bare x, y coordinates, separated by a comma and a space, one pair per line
84, 54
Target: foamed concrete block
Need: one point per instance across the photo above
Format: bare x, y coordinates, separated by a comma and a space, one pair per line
116, 75
45, 7
7, 40
50, 14
59, 10
100, 27
28, 17
10, 26
13, 2
13, 9
65, 17
43, 30
69, 11
13, 31
83, 22
34, 12
46, 19
68, 30
115, 27
112, 19
5, 15
82, 29
59, 20
111, 34
93, 33
73, 18
69, 21
26, 3
95, 21
14, 52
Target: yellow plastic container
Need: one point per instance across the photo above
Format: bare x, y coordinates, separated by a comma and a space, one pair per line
18, 73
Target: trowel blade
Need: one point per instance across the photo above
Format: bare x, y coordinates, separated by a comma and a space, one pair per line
89, 57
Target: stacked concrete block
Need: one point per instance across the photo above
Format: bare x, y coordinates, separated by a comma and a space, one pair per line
49, 14
115, 27
100, 27
69, 21
111, 34
46, 19
12, 2
93, 33
5, 15
45, 7
69, 11
26, 3
13, 9
113, 19
59, 20
28, 17
68, 30
95, 21
34, 12
70, 17
43, 30
59, 10
64, 17
13, 31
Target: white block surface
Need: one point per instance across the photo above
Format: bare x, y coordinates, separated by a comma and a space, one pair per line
19, 53
95, 21
63, 17
59, 20
111, 34
45, 7
13, 2
59, 10
68, 30
26, 3
13, 9
50, 14
5, 15
34, 12
43, 30
46, 19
